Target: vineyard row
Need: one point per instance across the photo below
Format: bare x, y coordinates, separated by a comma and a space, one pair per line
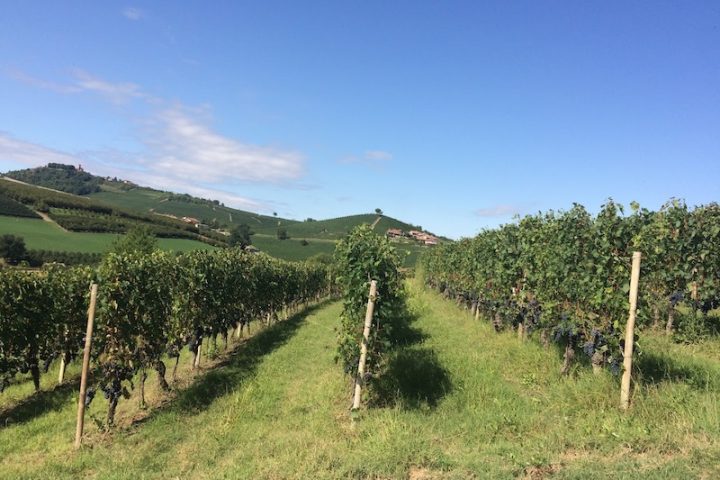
149, 306
566, 274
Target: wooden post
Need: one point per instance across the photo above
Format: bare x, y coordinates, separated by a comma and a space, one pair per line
61, 372
363, 346
85, 366
197, 357
630, 333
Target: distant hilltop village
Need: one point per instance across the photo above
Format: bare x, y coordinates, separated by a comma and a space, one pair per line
422, 237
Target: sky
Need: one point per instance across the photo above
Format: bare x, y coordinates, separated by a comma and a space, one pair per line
452, 115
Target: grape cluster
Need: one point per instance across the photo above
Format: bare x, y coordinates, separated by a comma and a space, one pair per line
89, 395
676, 297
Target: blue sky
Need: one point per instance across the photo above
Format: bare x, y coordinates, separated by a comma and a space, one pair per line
451, 115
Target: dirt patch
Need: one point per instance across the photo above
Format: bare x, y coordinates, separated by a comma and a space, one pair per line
539, 472
47, 218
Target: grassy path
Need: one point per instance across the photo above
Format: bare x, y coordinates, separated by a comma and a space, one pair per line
461, 402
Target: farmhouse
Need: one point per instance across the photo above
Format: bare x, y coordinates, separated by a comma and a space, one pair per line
395, 233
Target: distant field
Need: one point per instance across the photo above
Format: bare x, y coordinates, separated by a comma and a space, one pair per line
291, 249
144, 199
336, 228
41, 235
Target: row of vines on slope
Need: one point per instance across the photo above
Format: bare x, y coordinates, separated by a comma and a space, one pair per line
149, 306
566, 274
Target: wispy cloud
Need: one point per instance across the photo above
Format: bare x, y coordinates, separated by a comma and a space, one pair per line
498, 211
31, 154
115, 92
185, 147
182, 151
83, 82
134, 14
378, 156
27, 79
372, 158
17, 151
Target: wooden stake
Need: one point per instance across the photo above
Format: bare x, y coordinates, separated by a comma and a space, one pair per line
85, 366
197, 357
363, 347
61, 372
630, 333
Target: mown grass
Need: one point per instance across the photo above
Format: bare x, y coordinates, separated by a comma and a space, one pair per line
460, 402
41, 235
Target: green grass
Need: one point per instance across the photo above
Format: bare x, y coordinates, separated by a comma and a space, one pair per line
465, 403
41, 235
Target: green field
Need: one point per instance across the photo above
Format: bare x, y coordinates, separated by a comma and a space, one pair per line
145, 200
292, 249
461, 402
42, 235
336, 228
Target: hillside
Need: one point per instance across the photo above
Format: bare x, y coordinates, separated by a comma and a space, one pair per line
42, 235
83, 214
336, 228
65, 178
112, 206
167, 203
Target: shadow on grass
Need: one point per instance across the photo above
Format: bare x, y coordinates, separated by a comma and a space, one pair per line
39, 403
414, 378
658, 368
239, 366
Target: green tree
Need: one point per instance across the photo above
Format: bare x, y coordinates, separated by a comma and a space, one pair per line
137, 240
12, 249
378, 211
282, 234
240, 236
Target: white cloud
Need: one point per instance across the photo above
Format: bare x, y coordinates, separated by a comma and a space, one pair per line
183, 146
83, 82
498, 211
378, 155
13, 150
134, 14
375, 159
115, 92
182, 151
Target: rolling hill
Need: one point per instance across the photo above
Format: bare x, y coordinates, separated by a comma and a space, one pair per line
79, 202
